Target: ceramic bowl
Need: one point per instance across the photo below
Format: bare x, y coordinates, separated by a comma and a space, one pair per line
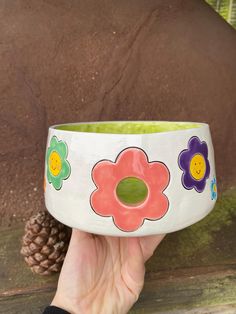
130, 178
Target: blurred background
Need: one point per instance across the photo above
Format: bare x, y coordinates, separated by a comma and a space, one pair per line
70, 61
226, 8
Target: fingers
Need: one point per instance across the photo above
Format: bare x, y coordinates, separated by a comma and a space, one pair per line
149, 244
79, 241
79, 250
79, 235
134, 266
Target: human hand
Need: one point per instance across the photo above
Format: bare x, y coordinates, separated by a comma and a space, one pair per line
103, 274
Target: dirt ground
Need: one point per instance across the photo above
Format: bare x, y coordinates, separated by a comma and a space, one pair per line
71, 61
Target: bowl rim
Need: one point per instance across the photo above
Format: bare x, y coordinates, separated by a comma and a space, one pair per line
202, 125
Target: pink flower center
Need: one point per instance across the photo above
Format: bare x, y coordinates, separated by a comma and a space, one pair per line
131, 191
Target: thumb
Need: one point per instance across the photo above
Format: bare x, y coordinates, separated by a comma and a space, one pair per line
149, 244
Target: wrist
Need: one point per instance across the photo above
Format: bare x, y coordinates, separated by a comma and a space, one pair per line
52, 309
68, 306
88, 305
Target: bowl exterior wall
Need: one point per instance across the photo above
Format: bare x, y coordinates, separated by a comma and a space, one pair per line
68, 197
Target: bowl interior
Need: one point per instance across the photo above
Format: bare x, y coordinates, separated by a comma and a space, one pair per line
136, 127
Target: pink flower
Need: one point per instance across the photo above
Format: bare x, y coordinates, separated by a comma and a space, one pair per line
131, 162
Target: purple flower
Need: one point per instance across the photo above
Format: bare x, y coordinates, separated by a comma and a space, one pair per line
195, 165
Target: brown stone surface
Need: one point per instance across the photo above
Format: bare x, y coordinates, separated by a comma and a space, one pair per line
68, 61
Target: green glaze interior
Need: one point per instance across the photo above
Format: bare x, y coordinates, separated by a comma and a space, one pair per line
131, 191
128, 127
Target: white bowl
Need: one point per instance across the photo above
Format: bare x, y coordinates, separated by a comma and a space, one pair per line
130, 178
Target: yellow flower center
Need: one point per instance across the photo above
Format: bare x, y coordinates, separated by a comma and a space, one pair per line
55, 163
198, 167
214, 188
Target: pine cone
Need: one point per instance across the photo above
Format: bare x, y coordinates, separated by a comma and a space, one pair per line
45, 243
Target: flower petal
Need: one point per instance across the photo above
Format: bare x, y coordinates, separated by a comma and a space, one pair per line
203, 149
49, 150
199, 186
131, 162
157, 176
53, 142
103, 173
61, 148
128, 221
207, 173
65, 170
194, 143
156, 207
188, 181
103, 202
49, 176
57, 182
184, 159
